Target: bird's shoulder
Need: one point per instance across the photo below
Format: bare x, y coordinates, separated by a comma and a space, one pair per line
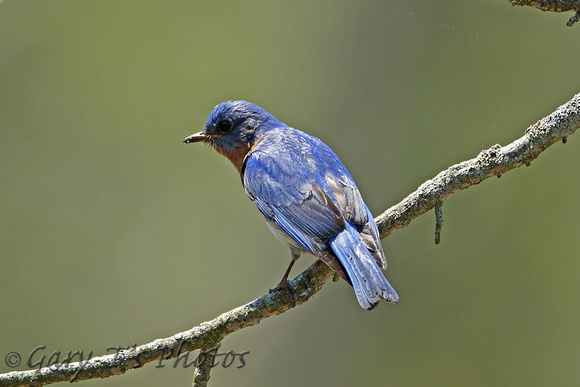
286, 164
298, 182
286, 151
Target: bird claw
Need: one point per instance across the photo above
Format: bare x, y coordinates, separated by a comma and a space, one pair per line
283, 285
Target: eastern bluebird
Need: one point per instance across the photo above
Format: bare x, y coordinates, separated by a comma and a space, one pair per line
307, 196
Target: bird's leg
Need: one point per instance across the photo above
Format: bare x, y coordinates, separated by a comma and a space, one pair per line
283, 284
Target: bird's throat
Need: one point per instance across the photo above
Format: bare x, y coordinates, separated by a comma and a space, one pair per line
237, 155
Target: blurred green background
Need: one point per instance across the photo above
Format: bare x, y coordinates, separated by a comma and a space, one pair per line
113, 232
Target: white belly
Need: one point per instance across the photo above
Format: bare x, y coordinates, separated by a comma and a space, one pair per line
282, 236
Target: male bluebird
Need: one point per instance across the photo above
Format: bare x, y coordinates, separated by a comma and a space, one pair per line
307, 196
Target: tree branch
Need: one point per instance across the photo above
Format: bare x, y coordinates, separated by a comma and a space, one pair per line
203, 336
491, 162
553, 6
494, 161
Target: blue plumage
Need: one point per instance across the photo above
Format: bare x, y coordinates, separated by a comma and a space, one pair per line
307, 196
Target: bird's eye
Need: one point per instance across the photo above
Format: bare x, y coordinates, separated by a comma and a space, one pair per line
224, 126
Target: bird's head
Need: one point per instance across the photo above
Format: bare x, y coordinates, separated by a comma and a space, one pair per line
232, 129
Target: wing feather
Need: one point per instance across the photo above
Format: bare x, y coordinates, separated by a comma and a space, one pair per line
298, 183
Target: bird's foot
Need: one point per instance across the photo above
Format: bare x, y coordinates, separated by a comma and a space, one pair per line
283, 285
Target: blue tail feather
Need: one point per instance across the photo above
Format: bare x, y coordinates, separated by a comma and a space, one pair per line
368, 280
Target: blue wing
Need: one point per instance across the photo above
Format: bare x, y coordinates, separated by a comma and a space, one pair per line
289, 187
298, 183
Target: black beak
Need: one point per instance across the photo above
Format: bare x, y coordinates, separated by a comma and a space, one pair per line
197, 137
